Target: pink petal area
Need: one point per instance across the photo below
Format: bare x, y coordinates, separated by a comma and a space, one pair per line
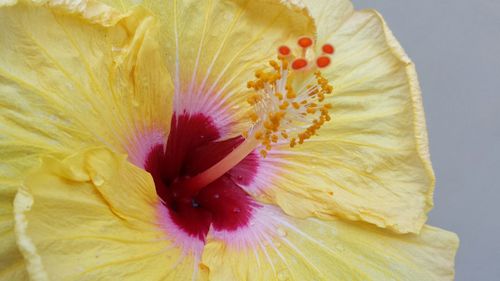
141, 145
209, 105
262, 227
267, 171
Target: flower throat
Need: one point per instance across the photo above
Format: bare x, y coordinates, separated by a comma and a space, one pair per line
199, 178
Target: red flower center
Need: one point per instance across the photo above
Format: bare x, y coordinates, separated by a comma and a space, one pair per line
192, 148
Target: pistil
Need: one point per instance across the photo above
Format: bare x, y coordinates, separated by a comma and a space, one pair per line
191, 186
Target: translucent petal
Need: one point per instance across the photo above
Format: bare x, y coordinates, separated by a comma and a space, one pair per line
312, 249
92, 216
371, 161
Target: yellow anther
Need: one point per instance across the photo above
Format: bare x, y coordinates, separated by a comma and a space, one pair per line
284, 105
268, 125
311, 110
284, 134
274, 138
275, 117
279, 96
293, 142
263, 153
295, 105
290, 94
264, 77
253, 116
274, 65
252, 100
258, 135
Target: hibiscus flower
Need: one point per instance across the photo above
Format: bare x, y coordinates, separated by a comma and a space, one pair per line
212, 140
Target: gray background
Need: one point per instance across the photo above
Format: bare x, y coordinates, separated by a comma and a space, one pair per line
456, 48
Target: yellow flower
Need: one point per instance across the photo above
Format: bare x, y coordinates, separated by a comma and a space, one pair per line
212, 140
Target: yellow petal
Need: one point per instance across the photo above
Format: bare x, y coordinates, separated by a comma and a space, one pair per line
12, 265
371, 161
312, 249
328, 15
70, 78
214, 47
94, 216
7, 2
